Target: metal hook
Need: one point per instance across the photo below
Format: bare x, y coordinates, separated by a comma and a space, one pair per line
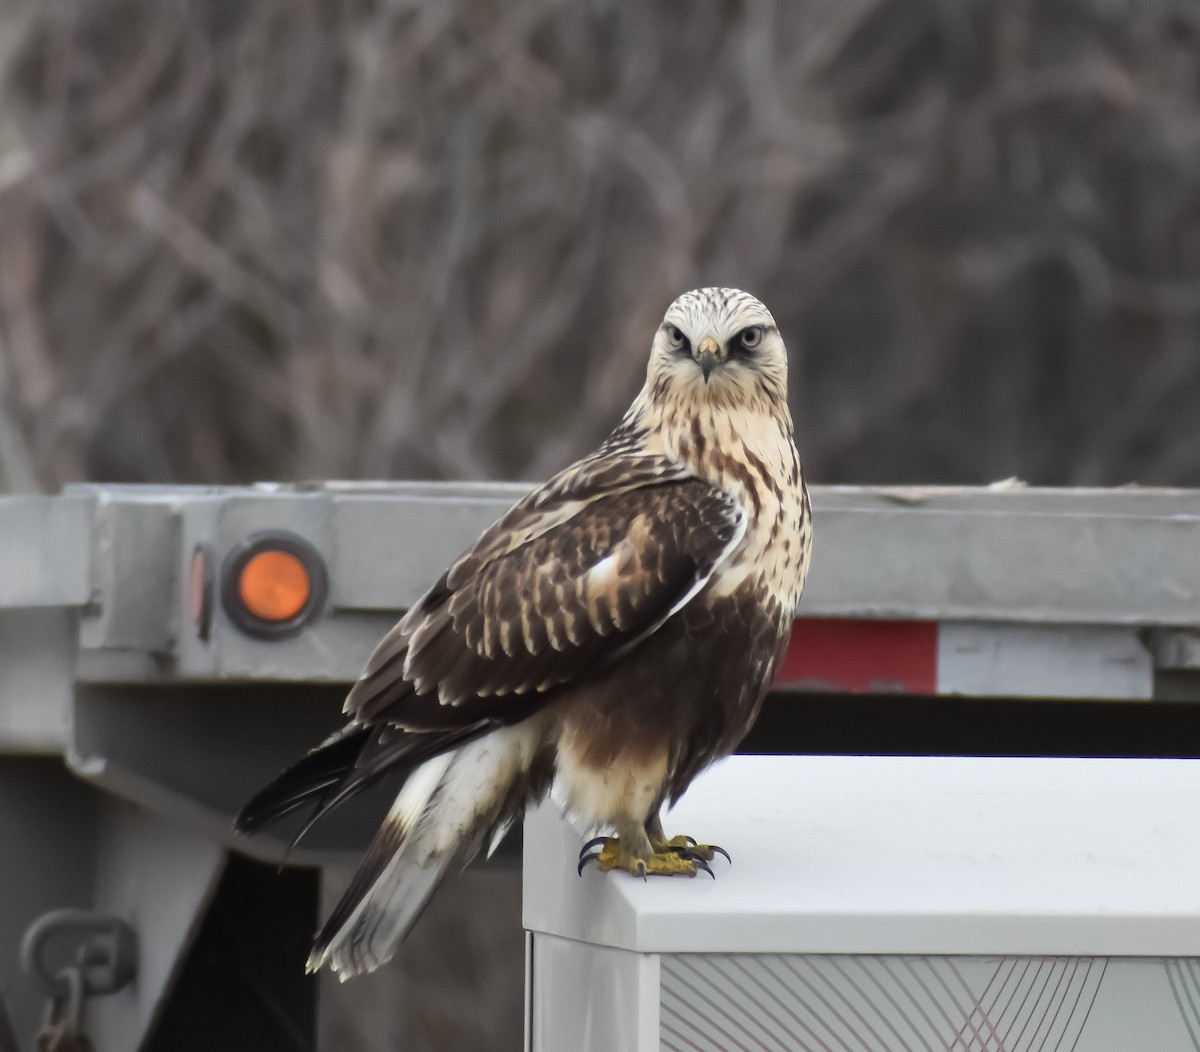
107, 955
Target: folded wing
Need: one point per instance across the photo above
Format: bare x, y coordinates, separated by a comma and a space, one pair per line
556, 589
575, 575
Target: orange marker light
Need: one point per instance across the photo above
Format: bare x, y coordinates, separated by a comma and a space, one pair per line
274, 585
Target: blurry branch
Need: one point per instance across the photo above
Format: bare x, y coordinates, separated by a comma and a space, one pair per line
26, 378
1159, 379
211, 262
16, 465
420, 239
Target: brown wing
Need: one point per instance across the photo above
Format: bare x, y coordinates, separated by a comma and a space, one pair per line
531, 608
561, 497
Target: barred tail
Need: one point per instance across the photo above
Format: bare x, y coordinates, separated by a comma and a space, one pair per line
451, 806
390, 887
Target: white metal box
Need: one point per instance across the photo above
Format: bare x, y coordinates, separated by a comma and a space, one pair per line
885, 903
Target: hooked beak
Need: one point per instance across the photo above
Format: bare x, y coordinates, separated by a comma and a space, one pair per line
708, 355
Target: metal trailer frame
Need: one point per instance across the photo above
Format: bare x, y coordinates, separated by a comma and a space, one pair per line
119, 660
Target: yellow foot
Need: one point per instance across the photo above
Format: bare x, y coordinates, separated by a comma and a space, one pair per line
680, 857
688, 846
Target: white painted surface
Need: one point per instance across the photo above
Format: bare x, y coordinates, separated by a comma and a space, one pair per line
930, 855
592, 998
993, 659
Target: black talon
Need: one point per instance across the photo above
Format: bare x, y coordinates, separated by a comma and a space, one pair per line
685, 851
689, 853
700, 863
585, 860
690, 839
591, 844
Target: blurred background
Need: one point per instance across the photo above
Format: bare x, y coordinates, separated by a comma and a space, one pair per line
295, 239
307, 239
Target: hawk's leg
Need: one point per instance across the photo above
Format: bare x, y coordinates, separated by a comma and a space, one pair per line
643, 850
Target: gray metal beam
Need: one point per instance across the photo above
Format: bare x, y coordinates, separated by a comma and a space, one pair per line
1069, 556
45, 550
1000, 554
1011, 554
1080, 557
1122, 557
37, 678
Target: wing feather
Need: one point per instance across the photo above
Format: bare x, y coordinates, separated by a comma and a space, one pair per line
570, 578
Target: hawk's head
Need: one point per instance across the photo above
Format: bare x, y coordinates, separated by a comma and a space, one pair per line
717, 343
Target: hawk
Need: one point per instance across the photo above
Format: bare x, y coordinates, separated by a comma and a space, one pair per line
604, 641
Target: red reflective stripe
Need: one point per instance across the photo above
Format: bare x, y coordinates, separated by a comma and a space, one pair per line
856, 656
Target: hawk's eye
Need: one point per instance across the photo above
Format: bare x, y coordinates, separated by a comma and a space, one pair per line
751, 337
676, 338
